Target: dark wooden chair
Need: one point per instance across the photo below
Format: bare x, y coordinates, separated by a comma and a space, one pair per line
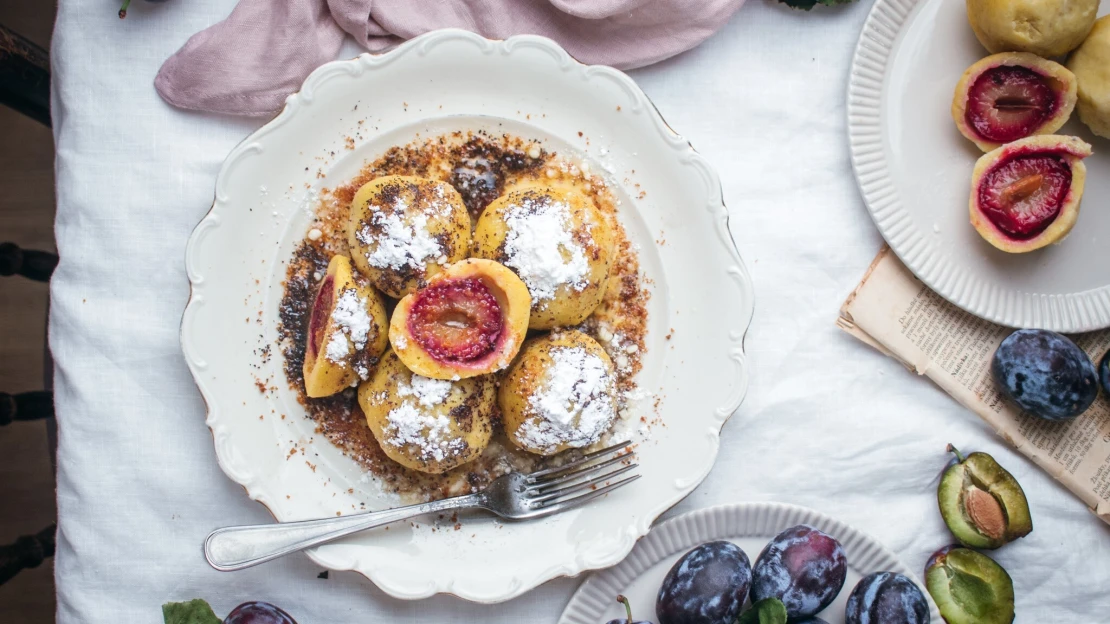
34, 265
26, 552
25, 87
24, 76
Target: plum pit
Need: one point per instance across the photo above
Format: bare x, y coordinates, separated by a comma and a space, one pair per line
1024, 195
321, 312
456, 320
1007, 103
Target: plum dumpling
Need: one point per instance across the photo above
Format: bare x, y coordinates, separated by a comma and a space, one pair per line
404, 229
1009, 96
1025, 195
558, 242
346, 331
559, 394
1091, 64
429, 425
1041, 27
469, 320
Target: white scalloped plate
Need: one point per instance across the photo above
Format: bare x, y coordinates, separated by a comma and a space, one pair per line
914, 170
453, 80
750, 526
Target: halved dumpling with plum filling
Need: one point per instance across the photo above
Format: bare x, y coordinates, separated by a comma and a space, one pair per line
1025, 195
346, 331
1009, 96
469, 320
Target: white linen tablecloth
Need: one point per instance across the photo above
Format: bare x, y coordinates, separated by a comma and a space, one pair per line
828, 422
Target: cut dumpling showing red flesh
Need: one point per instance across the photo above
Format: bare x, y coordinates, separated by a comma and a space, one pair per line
1025, 195
469, 320
346, 331
1010, 96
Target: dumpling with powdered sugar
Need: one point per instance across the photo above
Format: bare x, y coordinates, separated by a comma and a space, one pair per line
404, 229
346, 331
429, 425
558, 242
559, 394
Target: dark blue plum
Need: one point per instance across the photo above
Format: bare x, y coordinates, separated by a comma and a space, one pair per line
810, 620
258, 613
1045, 373
886, 598
708, 585
1104, 373
803, 567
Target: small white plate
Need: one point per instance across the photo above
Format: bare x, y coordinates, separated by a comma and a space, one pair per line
750, 526
914, 170
351, 112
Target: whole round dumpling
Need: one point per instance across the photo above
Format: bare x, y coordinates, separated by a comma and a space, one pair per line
560, 393
1043, 27
429, 425
404, 229
558, 242
1091, 66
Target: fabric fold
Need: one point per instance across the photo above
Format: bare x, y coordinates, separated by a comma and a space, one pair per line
248, 63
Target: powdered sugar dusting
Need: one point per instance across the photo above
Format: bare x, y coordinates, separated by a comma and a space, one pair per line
427, 392
401, 243
574, 405
352, 329
351, 317
540, 247
339, 347
413, 423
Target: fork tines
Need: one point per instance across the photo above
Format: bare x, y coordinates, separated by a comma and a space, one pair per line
581, 480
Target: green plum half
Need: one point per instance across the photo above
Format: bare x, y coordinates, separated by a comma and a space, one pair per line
969, 587
982, 504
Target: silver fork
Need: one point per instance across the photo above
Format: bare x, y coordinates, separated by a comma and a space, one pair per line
514, 496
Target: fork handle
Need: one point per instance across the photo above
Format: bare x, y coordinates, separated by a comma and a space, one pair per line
238, 547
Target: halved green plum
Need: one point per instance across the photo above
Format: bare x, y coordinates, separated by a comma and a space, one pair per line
969, 587
982, 504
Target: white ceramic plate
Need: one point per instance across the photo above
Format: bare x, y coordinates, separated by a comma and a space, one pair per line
750, 526
444, 81
914, 170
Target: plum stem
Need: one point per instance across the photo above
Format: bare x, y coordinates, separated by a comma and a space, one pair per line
959, 456
627, 607
123, 9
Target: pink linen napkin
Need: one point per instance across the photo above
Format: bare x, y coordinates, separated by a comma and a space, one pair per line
248, 63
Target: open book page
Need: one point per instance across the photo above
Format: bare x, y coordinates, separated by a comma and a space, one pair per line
897, 314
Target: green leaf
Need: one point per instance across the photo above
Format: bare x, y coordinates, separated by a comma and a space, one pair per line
195, 611
766, 611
